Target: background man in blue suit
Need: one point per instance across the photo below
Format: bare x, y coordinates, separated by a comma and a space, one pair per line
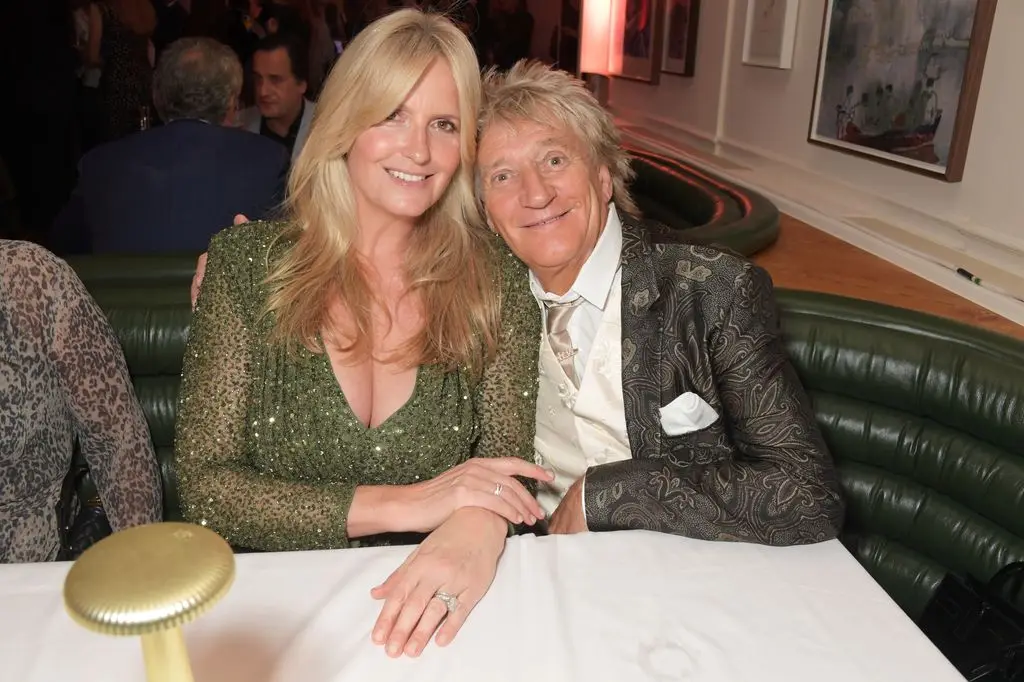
171, 188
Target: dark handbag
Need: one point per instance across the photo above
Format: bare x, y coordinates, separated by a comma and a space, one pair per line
79, 531
978, 626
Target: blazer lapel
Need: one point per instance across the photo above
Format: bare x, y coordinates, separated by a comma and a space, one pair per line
642, 341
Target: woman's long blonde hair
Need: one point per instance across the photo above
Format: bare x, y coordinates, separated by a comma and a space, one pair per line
449, 262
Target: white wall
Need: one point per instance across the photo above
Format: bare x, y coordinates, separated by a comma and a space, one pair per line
766, 113
691, 102
769, 109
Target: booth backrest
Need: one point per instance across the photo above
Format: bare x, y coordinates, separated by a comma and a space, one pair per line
699, 207
924, 416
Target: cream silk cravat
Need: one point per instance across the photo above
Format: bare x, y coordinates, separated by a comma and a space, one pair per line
558, 336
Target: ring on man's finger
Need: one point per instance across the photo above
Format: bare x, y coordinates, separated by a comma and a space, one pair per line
450, 601
498, 487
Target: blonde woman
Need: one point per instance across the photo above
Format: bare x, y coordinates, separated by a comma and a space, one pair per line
367, 369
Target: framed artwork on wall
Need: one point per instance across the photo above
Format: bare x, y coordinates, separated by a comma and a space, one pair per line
641, 40
898, 81
769, 34
565, 40
679, 47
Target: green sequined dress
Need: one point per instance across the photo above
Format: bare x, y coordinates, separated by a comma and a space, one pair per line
268, 452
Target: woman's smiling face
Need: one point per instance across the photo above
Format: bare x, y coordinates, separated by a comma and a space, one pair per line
403, 165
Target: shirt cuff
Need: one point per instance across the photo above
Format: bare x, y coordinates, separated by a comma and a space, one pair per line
583, 498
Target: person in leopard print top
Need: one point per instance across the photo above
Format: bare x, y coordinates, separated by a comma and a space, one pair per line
63, 376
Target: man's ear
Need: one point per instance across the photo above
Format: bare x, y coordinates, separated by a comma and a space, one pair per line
304, 85
604, 176
231, 118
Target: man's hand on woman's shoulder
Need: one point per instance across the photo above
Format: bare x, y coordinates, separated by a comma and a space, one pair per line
197, 279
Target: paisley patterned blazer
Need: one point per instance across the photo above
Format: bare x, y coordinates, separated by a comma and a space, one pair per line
695, 319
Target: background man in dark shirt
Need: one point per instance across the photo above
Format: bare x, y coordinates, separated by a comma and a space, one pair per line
282, 113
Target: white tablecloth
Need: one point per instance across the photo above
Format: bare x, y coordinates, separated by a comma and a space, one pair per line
611, 606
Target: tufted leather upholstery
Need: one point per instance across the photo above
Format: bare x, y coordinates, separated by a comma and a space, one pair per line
924, 416
926, 420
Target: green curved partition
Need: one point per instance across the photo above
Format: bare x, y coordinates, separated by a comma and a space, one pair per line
680, 201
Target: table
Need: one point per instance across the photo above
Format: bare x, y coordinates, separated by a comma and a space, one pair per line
626, 606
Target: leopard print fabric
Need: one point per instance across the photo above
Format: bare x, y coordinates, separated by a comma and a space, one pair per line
62, 376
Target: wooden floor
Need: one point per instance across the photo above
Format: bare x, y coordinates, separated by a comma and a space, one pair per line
808, 259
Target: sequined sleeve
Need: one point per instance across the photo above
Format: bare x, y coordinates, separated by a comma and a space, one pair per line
219, 486
507, 396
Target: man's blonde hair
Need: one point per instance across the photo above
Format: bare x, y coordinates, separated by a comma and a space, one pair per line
534, 91
450, 259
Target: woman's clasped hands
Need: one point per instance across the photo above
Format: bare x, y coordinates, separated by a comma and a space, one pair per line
478, 482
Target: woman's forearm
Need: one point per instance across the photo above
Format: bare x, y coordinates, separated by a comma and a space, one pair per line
377, 509
490, 523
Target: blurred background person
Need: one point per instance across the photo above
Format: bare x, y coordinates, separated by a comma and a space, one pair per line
206, 18
511, 33
171, 20
282, 112
322, 52
119, 32
242, 31
91, 117
171, 188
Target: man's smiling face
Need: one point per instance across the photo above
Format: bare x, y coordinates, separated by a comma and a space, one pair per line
544, 196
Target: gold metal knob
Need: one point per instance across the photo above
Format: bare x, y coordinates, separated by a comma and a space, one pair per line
148, 581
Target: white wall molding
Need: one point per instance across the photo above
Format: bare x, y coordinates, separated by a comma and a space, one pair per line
912, 218
652, 122
723, 90
928, 246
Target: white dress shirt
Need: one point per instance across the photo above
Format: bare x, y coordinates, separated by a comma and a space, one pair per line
600, 435
601, 272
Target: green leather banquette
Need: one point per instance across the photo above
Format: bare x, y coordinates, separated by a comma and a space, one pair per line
924, 416
699, 207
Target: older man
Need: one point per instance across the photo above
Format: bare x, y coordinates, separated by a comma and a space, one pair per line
666, 400
171, 188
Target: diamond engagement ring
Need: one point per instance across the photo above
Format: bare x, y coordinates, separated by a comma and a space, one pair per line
450, 601
498, 487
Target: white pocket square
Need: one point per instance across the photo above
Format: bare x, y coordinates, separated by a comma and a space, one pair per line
687, 413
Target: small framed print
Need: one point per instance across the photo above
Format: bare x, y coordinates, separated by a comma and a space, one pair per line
770, 33
903, 92
679, 52
641, 41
